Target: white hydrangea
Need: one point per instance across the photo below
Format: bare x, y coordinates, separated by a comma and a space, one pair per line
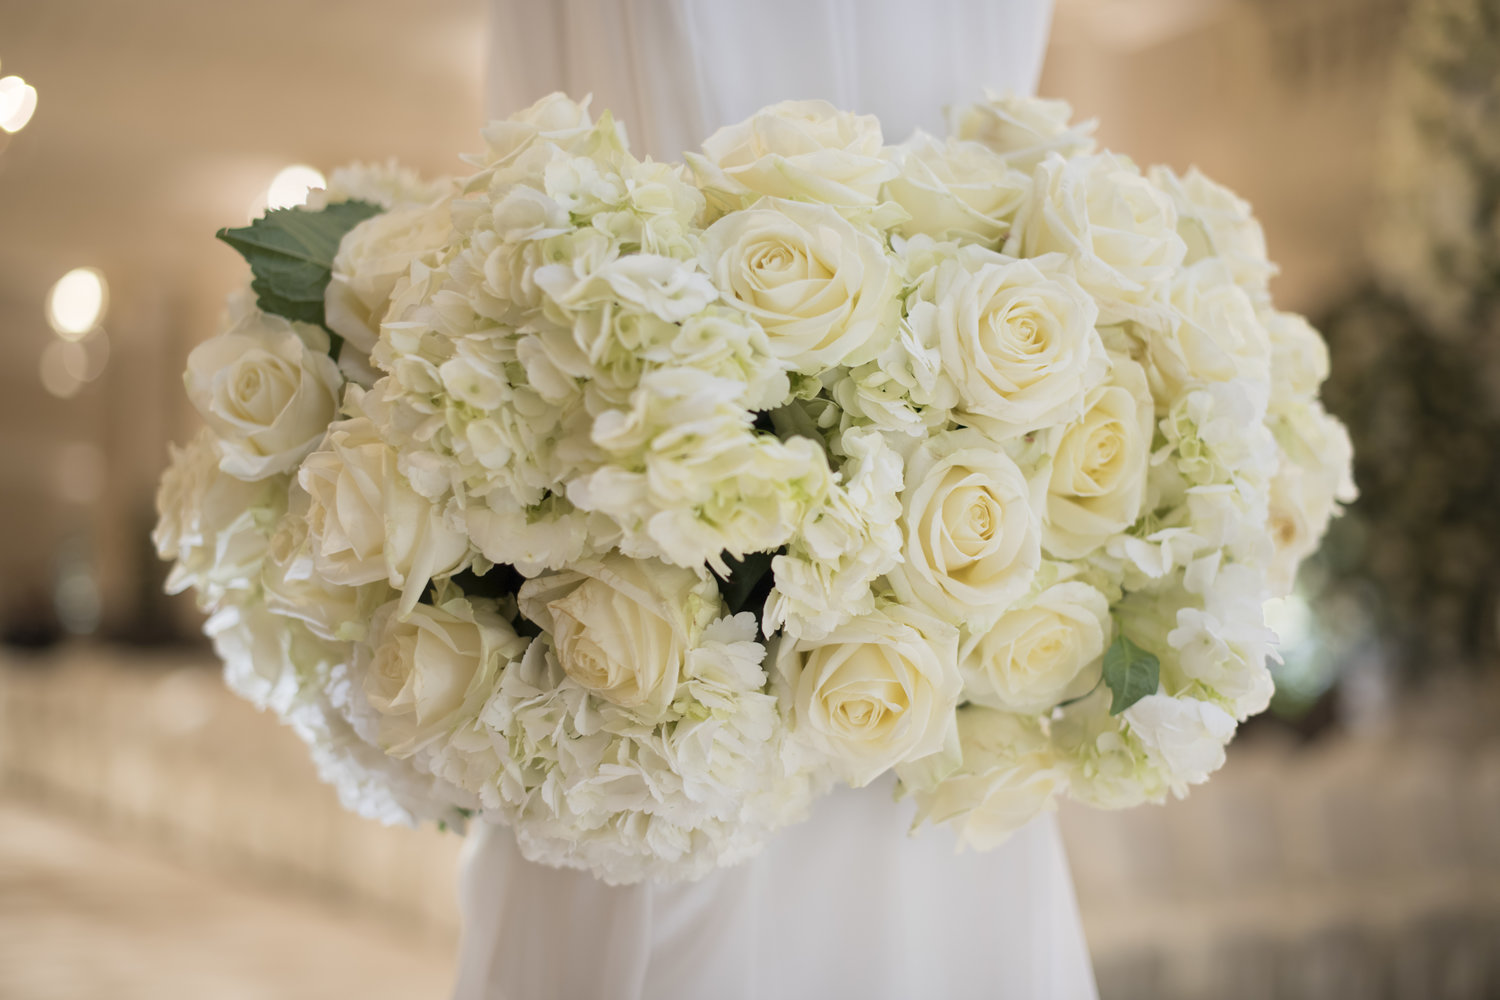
687, 477
824, 578
1004, 775
1183, 737
269, 660
588, 785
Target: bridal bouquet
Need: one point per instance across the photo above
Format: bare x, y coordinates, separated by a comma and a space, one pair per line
634, 504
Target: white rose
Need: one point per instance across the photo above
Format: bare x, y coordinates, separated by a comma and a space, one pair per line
555, 118
427, 671
293, 588
1017, 343
366, 523
1184, 737
372, 258
1213, 221
213, 525
875, 692
1023, 130
1213, 335
1039, 655
1007, 777
268, 389
1099, 472
1295, 520
824, 291
955, 190
623, 627
1299, 357
1119, 231
804, 150
971, 533
1313, 478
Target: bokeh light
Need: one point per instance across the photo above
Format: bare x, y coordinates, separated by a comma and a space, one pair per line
17, 103
64, 368
77, 303
290, 187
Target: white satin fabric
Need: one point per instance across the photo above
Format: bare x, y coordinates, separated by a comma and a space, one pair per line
846, 904
675, 70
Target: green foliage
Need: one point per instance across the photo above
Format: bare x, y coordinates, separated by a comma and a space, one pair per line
1131, 673
1409, 573
290, 252
749, 582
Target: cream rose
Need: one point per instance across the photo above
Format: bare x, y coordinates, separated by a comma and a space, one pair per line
623, 627
876, 691
804, 150
1313, 479
1039, 655
1214, 335
824, 291
1215, 222
1023, 130
366, 523
268, 389
1299, 357
214, 526
1118, 230
955, 190
1018, 343
372, 258
972, 541
293, 588
428, 670
555, 118
1295, 521
1099, 472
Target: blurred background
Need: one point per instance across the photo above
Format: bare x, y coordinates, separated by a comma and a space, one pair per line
160, 838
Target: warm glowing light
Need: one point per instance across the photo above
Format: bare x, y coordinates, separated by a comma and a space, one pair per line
96, 352
77, 303
290, 187
17, 103
64, 368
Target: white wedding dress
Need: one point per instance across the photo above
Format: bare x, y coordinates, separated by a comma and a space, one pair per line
846, 904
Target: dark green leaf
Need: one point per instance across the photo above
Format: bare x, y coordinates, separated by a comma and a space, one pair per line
290, 252
1131, 673
749, 582
500, 581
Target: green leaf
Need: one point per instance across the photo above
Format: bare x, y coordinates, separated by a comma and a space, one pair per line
290, 252
1131, 673
749, 582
